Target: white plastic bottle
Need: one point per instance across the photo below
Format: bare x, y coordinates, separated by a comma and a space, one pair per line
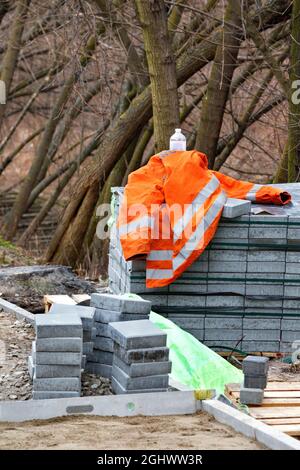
178, 141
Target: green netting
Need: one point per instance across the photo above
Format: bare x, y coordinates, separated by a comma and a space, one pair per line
193, 363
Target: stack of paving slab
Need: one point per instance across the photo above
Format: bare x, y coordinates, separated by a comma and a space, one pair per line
111, 308
243, 292
87, 316
56, 357
255, 370
141, 358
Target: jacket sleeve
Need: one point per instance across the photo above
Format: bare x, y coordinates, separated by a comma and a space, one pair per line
252, 192
142, 197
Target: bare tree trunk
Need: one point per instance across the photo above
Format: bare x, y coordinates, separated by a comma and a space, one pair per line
281, 175
162, 70
213, 107
21, 201
294, 102
10, 58
4, 7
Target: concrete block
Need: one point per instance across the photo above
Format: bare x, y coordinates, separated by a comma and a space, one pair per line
104, 370
139, 383
267, 232
137, 334
250, 323
293, 234
290, 336
185, 300
222, 335
83, 361
85, 313
223, 322
59, 358
56, 326
268, 289
120, 304
90, 334
261, 335
102, 329
235, 208
260, 346
104, 344
251, 396
198, 334
50, 371
255, 365
103, 357
227, 266
67, 384
188, 286
293, 256
268, 256
231, 231
118, 389
52, 394
143, 369
237, 289
286, 347
108, 316
257, 304
188, 321
266, 267
226, 300
59, 344
141, 355
30, 366
292, 268
290, 324
218, 345
227, 255
255, 381
87, 347
274, 439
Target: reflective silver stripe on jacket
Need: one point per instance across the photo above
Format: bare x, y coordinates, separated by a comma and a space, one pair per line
198, 234
195, 205
251, 195
159, 273
142, 222
160, 255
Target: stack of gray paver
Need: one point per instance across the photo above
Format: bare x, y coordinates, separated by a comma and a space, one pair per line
87, 316
56, 357
141, 358
111, 308
255, 370
243, 292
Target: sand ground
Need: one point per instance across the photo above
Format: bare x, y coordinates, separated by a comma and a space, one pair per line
198, 432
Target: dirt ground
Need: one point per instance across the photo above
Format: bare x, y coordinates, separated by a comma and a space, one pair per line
86, 432
199, 431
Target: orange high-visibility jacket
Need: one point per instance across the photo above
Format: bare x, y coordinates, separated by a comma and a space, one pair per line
171, 210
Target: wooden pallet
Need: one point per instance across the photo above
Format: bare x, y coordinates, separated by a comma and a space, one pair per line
280, 407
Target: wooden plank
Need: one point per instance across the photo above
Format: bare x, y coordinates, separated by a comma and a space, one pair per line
275, 394
240, 356
57, 299
80, 297
263, 412
271, 386
281, 402
272, 421
290, 429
